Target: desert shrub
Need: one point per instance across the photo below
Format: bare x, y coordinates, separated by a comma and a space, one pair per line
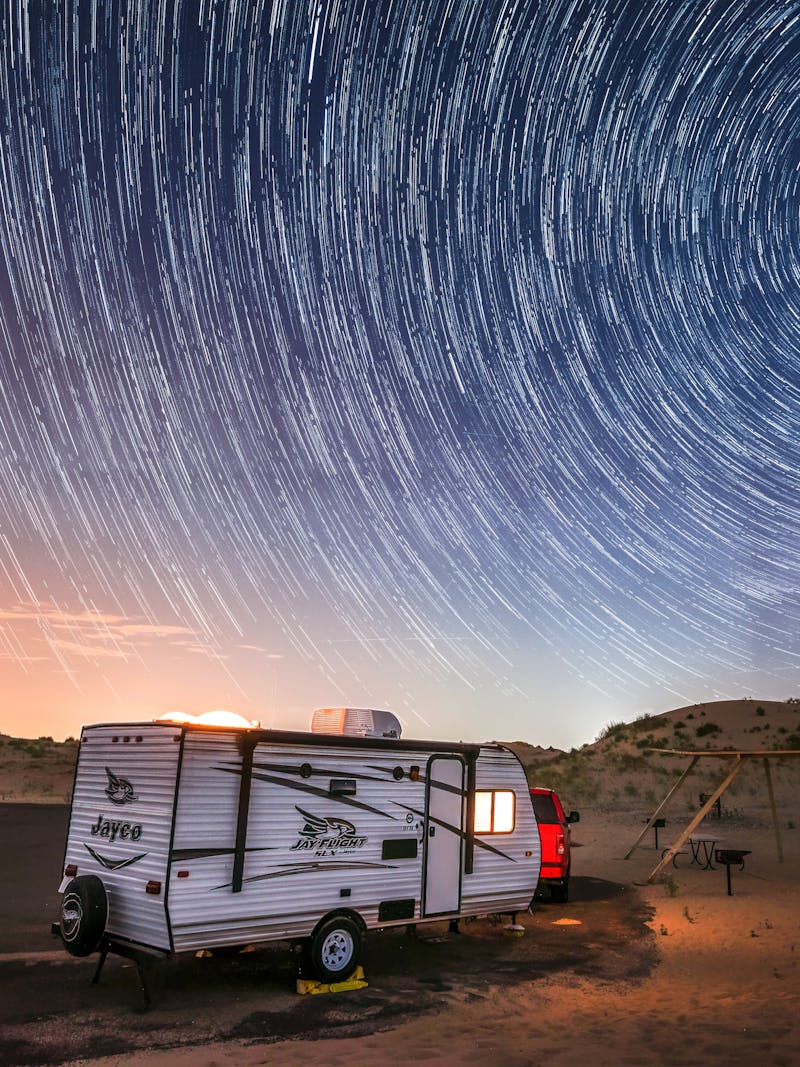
628, 761
646, 721
760, 711
613, 729
793, 741
707, 728
631, 789
650, 742
690, 715
669, 884
680, 725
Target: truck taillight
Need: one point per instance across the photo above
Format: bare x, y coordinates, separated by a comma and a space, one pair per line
560, 843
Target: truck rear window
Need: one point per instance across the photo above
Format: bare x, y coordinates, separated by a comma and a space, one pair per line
544, 809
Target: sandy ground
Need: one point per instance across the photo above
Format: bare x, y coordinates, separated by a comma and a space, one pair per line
672, 973
725, 990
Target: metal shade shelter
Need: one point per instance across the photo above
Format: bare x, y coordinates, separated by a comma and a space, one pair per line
741, 757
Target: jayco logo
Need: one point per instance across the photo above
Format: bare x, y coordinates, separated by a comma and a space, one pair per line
327, 837
115, 828
119, 790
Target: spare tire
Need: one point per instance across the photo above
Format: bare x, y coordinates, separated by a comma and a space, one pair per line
84, 911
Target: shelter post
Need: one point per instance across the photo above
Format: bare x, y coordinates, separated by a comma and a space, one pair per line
772, 808
660, 808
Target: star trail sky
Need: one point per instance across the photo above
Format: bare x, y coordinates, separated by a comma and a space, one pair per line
437, 356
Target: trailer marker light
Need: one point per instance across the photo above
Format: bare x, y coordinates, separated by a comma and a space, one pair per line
413, 774
397, 773
153, 887
528, 854
183, 874
139, 738
305, 770
71, 870
126, 739
114, 740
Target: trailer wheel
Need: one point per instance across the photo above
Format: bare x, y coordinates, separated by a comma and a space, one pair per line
84, 910
336, 949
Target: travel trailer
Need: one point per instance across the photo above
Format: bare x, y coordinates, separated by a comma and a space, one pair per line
187, 836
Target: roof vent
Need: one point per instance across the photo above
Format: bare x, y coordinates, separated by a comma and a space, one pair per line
356, 722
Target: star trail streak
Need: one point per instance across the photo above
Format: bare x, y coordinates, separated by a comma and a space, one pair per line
437, 355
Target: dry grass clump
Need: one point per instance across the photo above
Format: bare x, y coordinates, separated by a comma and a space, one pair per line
36, 770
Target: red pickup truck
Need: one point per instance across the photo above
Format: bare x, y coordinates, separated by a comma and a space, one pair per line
554, 835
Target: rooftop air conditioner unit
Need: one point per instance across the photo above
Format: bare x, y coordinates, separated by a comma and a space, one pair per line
355, 722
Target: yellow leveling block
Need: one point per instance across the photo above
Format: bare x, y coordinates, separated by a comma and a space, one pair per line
312, 986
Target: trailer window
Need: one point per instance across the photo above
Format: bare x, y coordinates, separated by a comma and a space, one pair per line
494, 811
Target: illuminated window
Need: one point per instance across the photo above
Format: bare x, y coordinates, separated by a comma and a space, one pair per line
494, 811
483, 813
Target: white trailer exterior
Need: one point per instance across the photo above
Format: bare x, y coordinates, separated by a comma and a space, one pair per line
205, 836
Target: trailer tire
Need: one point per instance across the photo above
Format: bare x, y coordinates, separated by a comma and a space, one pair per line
336, 949
84, 911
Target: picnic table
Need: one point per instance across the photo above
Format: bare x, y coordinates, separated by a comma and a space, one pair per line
705, 854
702, 846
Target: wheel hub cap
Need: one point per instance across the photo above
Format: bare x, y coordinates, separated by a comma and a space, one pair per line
337, 950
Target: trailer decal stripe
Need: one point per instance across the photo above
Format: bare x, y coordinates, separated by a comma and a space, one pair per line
312, 789
308, 868
181, 855
113, 865
446, 787
390, 770
288, 768
283, 768
461, 833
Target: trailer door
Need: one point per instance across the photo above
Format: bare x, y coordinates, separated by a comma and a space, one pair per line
444, 835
